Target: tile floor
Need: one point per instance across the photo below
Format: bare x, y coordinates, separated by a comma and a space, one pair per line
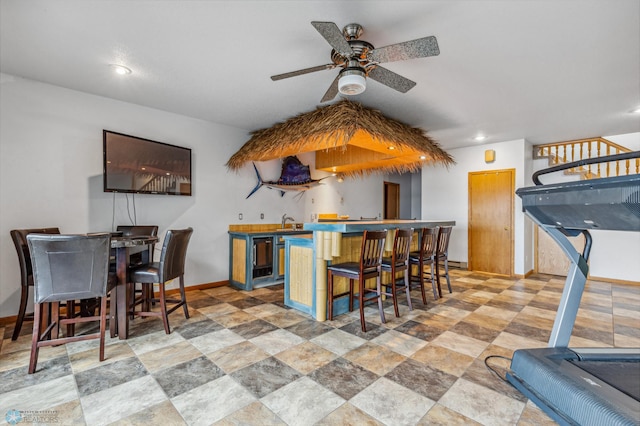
243, 358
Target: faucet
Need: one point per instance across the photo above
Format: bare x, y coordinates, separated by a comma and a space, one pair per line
285, 218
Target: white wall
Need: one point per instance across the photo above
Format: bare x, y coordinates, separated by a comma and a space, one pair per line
614, 255
51, 175
445, 196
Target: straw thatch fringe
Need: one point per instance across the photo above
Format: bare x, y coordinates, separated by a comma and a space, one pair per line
339, 122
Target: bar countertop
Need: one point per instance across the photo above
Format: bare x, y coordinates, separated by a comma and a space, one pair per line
359, 226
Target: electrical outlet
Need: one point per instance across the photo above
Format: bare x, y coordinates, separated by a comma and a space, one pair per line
261, 215
240, 216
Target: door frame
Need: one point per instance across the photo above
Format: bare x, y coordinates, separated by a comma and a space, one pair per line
512, 173
386, 200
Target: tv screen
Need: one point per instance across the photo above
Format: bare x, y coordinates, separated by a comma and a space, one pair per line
143, 166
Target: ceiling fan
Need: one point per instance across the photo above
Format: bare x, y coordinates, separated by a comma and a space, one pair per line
359, 59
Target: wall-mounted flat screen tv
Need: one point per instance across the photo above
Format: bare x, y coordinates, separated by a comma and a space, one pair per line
142, 166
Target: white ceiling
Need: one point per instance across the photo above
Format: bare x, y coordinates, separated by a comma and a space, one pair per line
546, 71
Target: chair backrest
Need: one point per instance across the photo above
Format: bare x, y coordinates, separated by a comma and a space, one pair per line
69, 267
429, 242
19, 237
402, 245
174, 253
135, 230
372, 249
443, 240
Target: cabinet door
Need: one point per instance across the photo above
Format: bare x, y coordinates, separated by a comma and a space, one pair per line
280, 261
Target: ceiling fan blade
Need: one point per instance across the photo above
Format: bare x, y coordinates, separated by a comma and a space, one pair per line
332, 91
391, 79
334, 37
420, 48
303, 71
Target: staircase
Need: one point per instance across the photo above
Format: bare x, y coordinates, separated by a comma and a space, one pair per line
569, 151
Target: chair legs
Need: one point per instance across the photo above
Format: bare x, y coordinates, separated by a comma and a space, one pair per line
148, 299
331, 297
362, 291
24, 295
41, 338
446, 275
423, 276
394, 291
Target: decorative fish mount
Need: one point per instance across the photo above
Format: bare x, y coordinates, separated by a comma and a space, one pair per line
294, 176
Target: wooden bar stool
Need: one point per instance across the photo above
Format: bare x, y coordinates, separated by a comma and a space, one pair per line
399, 262
425, 256
368, 267
442, 255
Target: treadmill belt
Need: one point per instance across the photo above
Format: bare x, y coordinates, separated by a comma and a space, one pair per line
622, 375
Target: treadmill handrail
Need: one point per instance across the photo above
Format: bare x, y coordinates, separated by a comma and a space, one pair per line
586, 161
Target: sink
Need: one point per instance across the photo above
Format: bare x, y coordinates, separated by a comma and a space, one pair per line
289, 230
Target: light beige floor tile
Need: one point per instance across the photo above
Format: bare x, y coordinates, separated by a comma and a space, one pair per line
235, 357
255, 413
338, 341
118, 402
513, 342
89, 359
168, 356
163, 413
391, 403
399, 342
348, 415
42, 396
375, 358
302, 402
276, 341
444, 359
472, 400
234, 318
216, 340
306, 357
439, 415
212, 401
461, 344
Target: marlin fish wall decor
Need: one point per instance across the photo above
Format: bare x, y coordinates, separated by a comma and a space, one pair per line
294, 177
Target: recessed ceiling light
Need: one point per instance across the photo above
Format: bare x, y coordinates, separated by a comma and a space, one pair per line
479, 138
120, 69
423, 157
635, 110
391, 147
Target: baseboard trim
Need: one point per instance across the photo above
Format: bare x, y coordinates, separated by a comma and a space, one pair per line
12, 319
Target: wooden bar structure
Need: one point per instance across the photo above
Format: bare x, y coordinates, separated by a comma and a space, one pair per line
307, 257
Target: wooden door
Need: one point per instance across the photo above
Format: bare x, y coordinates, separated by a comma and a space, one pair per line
491, 198
391, 200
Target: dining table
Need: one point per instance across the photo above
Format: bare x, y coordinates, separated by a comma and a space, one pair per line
123, 247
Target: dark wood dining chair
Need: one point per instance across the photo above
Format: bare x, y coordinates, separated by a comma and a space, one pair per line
399, 262
68, 267
442, 255
426, 256
19, 237
137, 259
170, 266
369, 266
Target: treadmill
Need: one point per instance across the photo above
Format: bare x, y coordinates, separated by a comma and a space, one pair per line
581, 386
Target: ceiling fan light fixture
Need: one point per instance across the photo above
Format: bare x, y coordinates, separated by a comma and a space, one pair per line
352, 81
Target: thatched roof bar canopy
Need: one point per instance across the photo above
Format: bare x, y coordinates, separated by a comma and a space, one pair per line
348, 138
